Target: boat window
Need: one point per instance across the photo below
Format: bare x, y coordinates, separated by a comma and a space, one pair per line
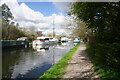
41, 39
46, 38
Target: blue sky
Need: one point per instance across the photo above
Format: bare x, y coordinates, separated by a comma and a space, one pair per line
46, 8
39, 15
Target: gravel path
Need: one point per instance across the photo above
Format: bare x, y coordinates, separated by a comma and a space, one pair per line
80, 67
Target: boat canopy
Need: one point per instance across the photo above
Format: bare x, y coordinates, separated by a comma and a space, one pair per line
45, 38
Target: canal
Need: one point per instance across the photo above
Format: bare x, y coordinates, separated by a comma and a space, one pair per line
31, 62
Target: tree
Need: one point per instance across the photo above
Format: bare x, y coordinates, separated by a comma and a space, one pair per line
103, 20
9, 29
51, 34
80, 30
77, 27
99, 17
6, 13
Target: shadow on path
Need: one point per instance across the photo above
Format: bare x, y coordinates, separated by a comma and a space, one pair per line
80, 67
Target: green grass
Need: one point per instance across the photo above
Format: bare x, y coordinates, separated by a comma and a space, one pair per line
57, 70
104, 71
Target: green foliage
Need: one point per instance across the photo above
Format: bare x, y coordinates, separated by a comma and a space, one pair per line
80, 30
10, 31
88, 12
104, 71
57, 70
100, 17
103, 19
6, 13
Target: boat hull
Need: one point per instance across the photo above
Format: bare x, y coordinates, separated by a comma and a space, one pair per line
76, 41
43, 43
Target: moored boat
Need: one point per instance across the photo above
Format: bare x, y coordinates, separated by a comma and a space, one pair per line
44, 41
76, 40
64, 39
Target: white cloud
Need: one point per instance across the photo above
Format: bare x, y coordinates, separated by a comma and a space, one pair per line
62, 6
30, 14
27, 17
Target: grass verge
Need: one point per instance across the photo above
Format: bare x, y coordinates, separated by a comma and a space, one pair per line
57, 70
104, 71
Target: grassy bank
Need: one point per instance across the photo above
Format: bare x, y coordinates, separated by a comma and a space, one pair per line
104, 71
58, 69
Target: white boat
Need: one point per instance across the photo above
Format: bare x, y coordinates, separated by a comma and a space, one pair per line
41, 47
44, 41
64, 39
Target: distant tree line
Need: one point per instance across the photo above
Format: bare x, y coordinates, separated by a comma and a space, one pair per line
103, 21
11, 30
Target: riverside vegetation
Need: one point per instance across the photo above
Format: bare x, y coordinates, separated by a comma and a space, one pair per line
10, 29
103, 71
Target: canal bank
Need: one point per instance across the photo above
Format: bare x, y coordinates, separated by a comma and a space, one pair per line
74, 65
58, 69
14, 43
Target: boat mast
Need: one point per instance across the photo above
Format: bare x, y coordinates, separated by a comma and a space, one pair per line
53, 26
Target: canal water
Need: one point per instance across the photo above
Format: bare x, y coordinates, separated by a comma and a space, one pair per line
31, 62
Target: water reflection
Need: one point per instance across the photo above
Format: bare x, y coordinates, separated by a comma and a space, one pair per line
43, 47
64, 43
32, 62
75, 44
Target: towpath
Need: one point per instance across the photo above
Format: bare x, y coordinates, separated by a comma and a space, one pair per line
80, 67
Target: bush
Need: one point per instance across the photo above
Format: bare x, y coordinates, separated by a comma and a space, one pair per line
106, 60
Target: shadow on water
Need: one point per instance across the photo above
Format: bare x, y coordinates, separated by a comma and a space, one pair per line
33, 61
37, 71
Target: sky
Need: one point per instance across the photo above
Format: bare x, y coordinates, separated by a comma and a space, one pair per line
40, 15
46, 8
